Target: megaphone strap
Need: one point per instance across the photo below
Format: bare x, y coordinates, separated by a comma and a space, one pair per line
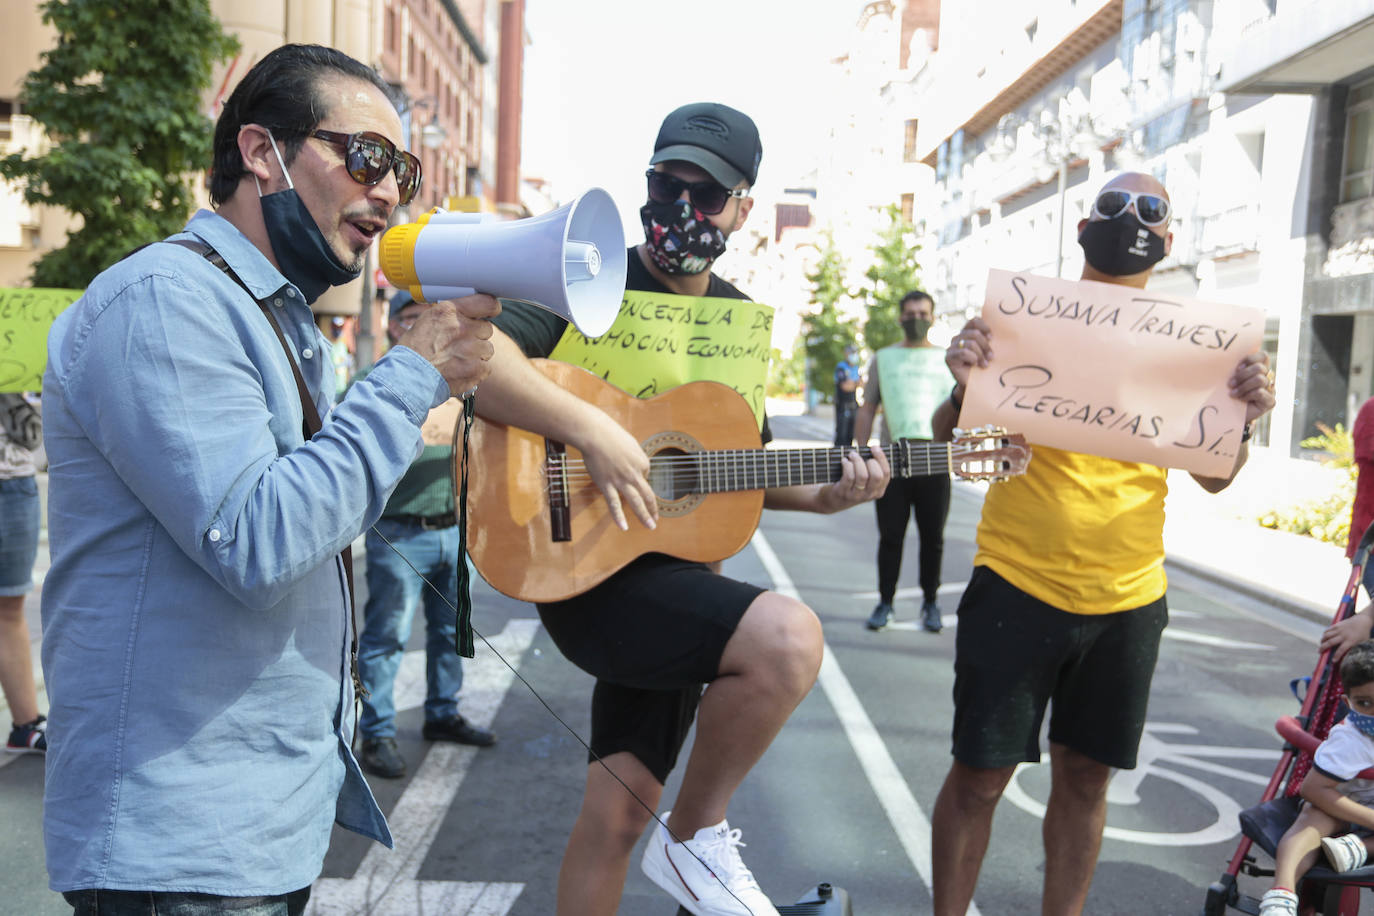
463, 632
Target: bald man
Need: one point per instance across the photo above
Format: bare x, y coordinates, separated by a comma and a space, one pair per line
1037, 621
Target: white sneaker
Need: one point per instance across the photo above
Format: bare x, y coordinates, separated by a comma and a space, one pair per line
1279, 902
1345, 853
722, 886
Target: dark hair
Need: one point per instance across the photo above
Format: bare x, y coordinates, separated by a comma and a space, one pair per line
282, 93
916, 294
1357, 668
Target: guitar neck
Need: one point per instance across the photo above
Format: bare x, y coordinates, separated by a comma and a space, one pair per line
762, 469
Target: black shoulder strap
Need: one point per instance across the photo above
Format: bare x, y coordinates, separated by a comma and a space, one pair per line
310, 423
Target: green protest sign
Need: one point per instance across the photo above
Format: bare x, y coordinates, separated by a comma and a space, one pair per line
25, 317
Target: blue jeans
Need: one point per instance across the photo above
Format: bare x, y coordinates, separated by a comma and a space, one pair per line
393, 590
20, 517
166, 903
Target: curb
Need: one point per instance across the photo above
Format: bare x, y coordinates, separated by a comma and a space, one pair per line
1275, 598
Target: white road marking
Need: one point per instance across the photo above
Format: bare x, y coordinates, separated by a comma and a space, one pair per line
908, 821
1202, 639
949, 588
386, 882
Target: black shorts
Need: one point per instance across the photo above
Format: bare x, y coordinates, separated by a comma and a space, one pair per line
1014, 654
652, 635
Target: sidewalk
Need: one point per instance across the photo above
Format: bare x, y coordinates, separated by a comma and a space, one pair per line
1216, 536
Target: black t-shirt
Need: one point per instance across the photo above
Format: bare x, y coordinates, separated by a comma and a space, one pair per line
537, 331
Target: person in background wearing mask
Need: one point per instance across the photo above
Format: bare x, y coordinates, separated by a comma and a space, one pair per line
196, 624
914, 376
1038, 621
658, 630
412, 556
846, 396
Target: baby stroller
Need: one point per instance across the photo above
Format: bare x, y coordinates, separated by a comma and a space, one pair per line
1322, 890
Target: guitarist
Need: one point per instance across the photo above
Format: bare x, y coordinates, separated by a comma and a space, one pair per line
658, 630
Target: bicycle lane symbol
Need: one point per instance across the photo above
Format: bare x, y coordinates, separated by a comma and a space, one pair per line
1155, 753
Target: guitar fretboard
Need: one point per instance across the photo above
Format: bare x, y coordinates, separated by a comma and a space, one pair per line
728, 470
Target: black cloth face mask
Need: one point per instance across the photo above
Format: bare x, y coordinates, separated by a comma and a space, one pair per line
1121, 246
679, 238
915, 329
303, 256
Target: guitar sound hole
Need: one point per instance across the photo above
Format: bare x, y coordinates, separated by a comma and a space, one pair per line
673, 475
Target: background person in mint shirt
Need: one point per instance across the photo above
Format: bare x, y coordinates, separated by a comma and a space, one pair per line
416, 536
913, 375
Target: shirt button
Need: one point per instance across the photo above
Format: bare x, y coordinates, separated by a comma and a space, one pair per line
307, 353
291, 292
214, 534
277, 302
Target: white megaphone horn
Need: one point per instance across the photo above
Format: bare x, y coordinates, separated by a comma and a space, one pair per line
570, 261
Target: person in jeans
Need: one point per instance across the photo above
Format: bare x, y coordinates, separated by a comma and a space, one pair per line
416, 536
21, 432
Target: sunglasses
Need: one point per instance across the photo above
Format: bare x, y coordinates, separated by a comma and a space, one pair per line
709, 197
368, 157
1151, 209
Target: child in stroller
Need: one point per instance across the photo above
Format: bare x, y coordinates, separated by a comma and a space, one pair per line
1335, 799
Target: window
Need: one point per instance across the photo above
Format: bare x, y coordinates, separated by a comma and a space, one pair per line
909, 144
908, 208
7, 111
1357, 174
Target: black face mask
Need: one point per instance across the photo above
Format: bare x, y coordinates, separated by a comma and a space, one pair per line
680, 239
1122, 246
303, 256
915, 329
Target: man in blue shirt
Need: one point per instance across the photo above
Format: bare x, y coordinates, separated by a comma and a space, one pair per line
196, 617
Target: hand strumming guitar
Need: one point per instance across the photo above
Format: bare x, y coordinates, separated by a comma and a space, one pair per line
620, 470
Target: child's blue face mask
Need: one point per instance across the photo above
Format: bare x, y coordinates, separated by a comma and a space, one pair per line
1364, 723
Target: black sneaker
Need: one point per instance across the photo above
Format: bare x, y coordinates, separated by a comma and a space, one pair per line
29, 738
880, 616
380, 758
931, 618
459, 730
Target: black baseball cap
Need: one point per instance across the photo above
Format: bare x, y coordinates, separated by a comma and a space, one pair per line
716, 137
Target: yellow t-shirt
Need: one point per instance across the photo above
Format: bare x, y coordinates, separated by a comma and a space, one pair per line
1080, 533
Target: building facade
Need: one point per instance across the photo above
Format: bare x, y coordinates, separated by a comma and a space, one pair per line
1319, 56
1026, 109
441, 56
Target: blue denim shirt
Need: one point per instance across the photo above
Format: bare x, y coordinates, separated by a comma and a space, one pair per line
195, 618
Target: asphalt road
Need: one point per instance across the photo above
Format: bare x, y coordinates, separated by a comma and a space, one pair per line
845, 793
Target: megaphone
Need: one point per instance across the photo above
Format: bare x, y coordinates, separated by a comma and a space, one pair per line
570, 261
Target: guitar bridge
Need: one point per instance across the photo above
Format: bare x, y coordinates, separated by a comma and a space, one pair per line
556, 472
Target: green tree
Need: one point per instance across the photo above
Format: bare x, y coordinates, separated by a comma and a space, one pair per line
826, 334
893, 273
120, 100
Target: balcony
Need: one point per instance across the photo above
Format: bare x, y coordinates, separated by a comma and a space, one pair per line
1304, 46
974, 101
1229, 232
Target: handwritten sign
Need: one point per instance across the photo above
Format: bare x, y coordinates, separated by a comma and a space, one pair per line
25, 317
660, 341
1113, 371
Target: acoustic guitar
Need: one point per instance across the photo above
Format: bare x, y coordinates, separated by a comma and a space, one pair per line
539, 529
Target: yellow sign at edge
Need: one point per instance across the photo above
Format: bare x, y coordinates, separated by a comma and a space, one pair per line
26, 315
